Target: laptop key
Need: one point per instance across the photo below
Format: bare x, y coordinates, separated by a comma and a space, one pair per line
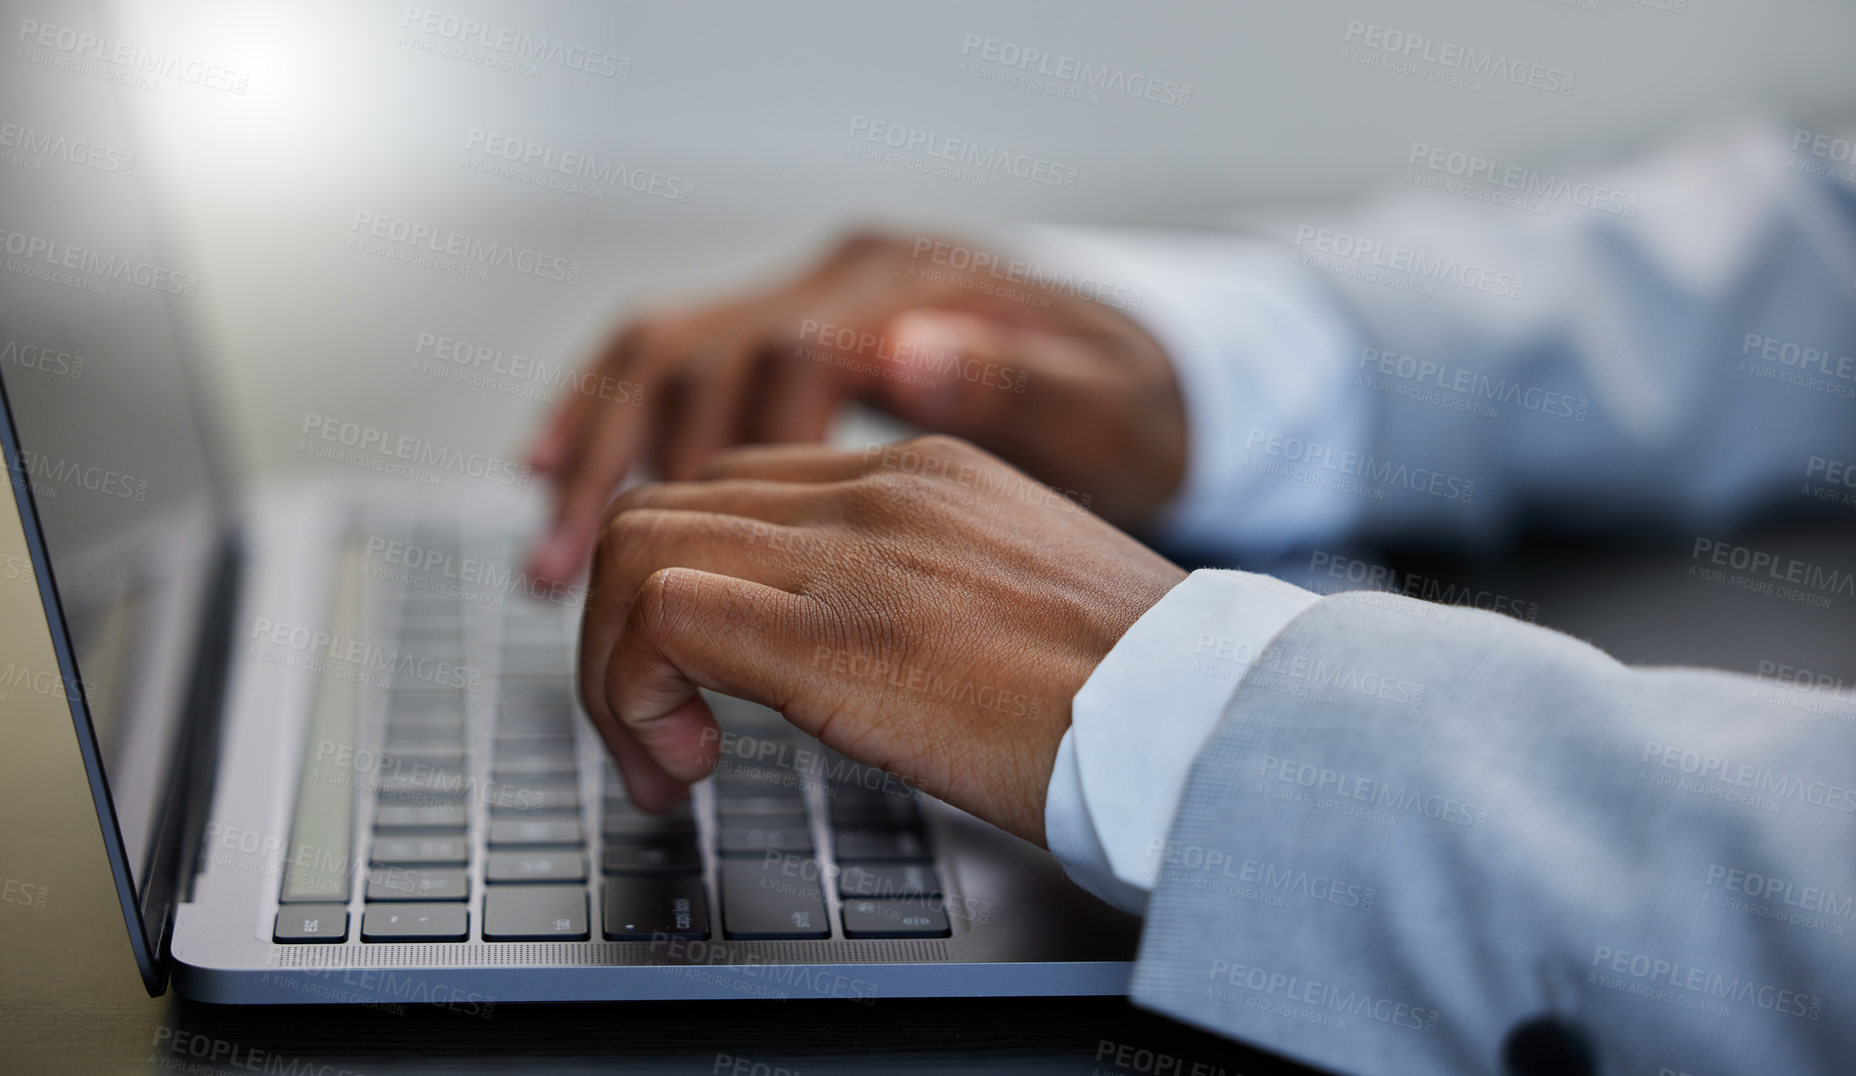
533, 766
531, 833
903, 879
412, 883
646, 906
441, 816
415, 923
735, 806
535, 913
645, 827
855, 844
311, 923
753, 840
529, 867
773, 897
915, 918
649, 857
420, 851
874, 812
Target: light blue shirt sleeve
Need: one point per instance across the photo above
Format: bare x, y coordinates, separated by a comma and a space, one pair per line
1436, 367
1141, 718
1255, 343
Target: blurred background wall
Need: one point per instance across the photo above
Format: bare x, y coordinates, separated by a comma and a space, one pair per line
292, 121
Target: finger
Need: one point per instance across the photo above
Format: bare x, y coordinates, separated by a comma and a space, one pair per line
785, 503
564, 431
645, 781
691, 629
610, 447
787, 463
988, 381
795, 399
710, 395
641, 543
644, 540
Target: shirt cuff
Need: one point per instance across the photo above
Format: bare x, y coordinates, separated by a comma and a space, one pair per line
1140, 719
1264, 355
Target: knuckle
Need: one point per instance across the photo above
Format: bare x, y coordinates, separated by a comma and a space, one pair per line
656, 600
633, 529
941, 446
630, 502
861, 242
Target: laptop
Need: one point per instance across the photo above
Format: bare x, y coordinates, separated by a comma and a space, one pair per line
331, 729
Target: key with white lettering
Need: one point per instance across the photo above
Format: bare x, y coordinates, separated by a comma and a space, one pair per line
773, 897
415, 923
643, 906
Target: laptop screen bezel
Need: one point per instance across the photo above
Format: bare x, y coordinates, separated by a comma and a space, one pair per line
149, 954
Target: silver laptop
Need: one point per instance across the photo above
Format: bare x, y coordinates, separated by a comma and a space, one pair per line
332, 732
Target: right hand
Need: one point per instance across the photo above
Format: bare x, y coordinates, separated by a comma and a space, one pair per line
1069, 390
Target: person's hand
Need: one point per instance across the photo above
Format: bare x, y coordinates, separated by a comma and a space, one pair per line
1062, 386
920, 607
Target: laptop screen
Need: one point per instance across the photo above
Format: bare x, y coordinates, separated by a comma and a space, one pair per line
108, 439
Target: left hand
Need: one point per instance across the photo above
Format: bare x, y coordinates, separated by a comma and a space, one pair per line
920, 607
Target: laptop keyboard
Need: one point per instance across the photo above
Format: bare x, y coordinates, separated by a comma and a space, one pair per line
506, 821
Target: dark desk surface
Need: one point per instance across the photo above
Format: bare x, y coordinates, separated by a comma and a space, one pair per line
70, 999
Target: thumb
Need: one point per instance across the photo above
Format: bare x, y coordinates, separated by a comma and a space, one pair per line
984, 379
